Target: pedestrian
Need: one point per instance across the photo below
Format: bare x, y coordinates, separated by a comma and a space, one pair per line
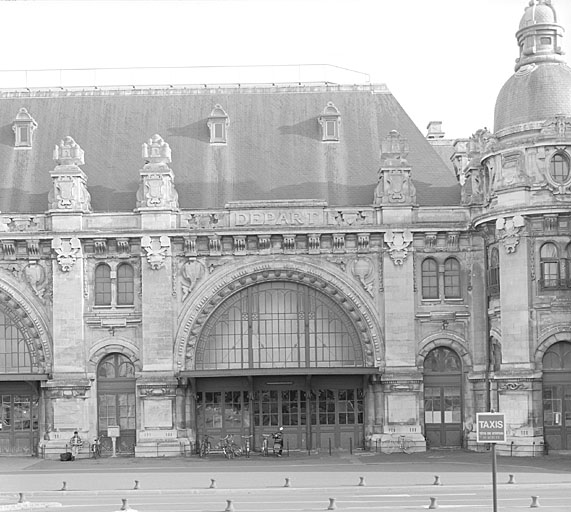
279, 442
76, 443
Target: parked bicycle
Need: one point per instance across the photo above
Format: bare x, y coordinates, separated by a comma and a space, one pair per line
229, 447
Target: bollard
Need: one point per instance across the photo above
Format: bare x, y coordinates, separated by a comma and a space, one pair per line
329, 446
351, 445
332, 505
125, 505
212, 484
136, 485
287, 483
534, 502
436, 480
64, 486
511, 480
362, 481
433, 503
21, 497
229, 506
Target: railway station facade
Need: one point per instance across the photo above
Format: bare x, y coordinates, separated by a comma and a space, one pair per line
188, 261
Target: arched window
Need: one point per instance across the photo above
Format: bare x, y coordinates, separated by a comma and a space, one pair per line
14, 354
494, 272
125, 285
452, 279
549, 257
559, 168
429, 279
103, 285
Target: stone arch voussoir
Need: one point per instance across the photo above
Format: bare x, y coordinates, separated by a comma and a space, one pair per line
445, 339
548, 338
113, 345
213, 292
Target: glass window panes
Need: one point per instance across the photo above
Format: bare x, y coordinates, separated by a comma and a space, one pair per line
14, 353
429, 279
559, 168
125, 285
452, 279
103, 285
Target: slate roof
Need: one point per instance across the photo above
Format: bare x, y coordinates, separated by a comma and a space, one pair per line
274, 148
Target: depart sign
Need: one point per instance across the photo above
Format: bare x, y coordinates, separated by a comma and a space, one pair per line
490, 427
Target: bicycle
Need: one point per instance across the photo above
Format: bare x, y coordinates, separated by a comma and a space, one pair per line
247, 445
265, 444
205, 446
229, 447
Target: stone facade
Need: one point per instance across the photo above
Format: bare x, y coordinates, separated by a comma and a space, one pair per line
388, 322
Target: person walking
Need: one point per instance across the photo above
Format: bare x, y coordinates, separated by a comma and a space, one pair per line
279, 442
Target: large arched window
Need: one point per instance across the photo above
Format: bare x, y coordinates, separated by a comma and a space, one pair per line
14, 353
278, 325
429, 279
103, 285
494, 272
125, 285
452, 279
549, 257
559, 168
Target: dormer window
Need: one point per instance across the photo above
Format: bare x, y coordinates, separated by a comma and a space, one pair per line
218, 125
23, 127
330, 121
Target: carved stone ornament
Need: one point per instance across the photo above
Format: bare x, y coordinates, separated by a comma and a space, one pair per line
67, 251
156, 390
191, 272
157, 249
362, 269
156, 187
398, 242
395, 184
508, 232
558, 126
35, 275
69, 191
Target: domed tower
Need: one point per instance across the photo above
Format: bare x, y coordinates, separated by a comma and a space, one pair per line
520, 198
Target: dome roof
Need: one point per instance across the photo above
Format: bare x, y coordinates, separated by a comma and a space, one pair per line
536, 13
534, 93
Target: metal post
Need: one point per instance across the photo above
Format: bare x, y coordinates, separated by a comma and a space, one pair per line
494, 482
329, 446
351, 445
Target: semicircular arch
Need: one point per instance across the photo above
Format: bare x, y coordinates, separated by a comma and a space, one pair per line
554, 335
31, 321
213, 292
111, 345
441, 339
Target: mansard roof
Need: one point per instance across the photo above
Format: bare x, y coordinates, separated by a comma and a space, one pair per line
274, 146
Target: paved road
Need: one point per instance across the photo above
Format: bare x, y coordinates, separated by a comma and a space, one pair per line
395, 482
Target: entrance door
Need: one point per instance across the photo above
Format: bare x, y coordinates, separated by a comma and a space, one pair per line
116, 401
19, 414
443, 398
557, 396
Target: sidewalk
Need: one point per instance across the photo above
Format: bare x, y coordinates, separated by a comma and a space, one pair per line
445, 460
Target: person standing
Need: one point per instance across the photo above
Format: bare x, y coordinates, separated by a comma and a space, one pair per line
76, 444
279, 441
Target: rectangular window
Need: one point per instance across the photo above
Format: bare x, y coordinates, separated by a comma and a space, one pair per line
330, 129
24, 136
550, 271
218, 131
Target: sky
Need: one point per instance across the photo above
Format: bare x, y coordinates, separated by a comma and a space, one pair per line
443, 60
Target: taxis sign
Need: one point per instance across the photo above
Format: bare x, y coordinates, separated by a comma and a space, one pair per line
490, 427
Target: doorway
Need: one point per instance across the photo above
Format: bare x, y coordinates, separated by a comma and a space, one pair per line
443, 398
557, 396
116, 402
19, 418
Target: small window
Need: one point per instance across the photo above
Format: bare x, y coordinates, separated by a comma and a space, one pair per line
549, 258
125, 285
103, 285
452, 279
544, 40
23, 127
494, 273
429, 279
559, 168
218, 123
330, 120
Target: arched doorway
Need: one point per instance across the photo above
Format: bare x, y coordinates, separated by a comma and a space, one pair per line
116, 401
281, 353
557, 396
443, 398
